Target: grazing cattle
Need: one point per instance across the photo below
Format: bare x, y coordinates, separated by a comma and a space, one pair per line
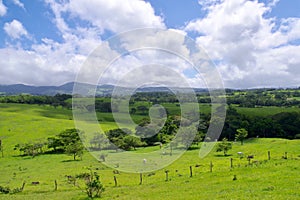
144, 161
250, 157
240, 154
35, 182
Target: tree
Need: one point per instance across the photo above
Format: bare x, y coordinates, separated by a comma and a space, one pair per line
65, 138
115, 134
143, 109
55, 143
30, 149
224, 146
75, 149
70, 136
132, 142
99, 141
132, 110
187, 135
68, 141
241, 134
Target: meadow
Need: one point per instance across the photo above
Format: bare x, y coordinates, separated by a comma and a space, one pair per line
277, 178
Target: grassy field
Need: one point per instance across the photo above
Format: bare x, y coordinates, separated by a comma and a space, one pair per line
266, 111
277, 178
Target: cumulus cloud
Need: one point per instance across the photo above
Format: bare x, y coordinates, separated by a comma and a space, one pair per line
3, 8
52, 62
15, 29
115, 16
248, 47
28, 67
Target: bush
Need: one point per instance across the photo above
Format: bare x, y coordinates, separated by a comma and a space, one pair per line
94, 187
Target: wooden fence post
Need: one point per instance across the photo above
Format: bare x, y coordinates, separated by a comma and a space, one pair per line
115, 180
269, 155
141, 178
211, 166
231, 162
22, 188
191, 171
167, 175
55, 185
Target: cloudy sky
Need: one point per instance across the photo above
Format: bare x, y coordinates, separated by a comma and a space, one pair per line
252, 43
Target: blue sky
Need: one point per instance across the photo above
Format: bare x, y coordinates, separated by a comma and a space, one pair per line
252, 43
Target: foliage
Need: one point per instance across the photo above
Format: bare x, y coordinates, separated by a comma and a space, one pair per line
74, 149
224, 146
132, 142
187, 136
124, 139
68, 141
55, 101
93, 186
4, 190
7, 190
30, 149
99, 141
241, 134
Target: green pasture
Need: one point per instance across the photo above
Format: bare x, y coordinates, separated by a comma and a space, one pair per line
266, 111
260, 178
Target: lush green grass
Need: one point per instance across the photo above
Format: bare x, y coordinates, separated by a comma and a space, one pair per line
274, 179
266, 111
263, 179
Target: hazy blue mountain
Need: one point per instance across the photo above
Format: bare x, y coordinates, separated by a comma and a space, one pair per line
83, 88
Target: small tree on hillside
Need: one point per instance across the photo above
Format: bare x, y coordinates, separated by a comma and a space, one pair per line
224, 146
75, 149
241, 134
132, 142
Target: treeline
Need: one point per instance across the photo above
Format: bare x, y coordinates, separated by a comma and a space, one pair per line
57, 100
243, 98
260, 98
281, 125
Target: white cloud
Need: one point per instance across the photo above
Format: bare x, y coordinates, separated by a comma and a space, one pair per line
15, 29
249, 48
3, 8
52, 62
115, 16
19, 3
28, 67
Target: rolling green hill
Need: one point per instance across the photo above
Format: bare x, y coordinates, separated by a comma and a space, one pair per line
260, 178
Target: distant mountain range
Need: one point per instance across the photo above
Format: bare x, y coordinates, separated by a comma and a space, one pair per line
102, 90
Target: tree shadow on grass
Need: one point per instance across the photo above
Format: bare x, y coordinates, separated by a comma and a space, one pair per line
71, 160
225, 156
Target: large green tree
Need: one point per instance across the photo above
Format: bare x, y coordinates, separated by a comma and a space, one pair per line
68, 141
